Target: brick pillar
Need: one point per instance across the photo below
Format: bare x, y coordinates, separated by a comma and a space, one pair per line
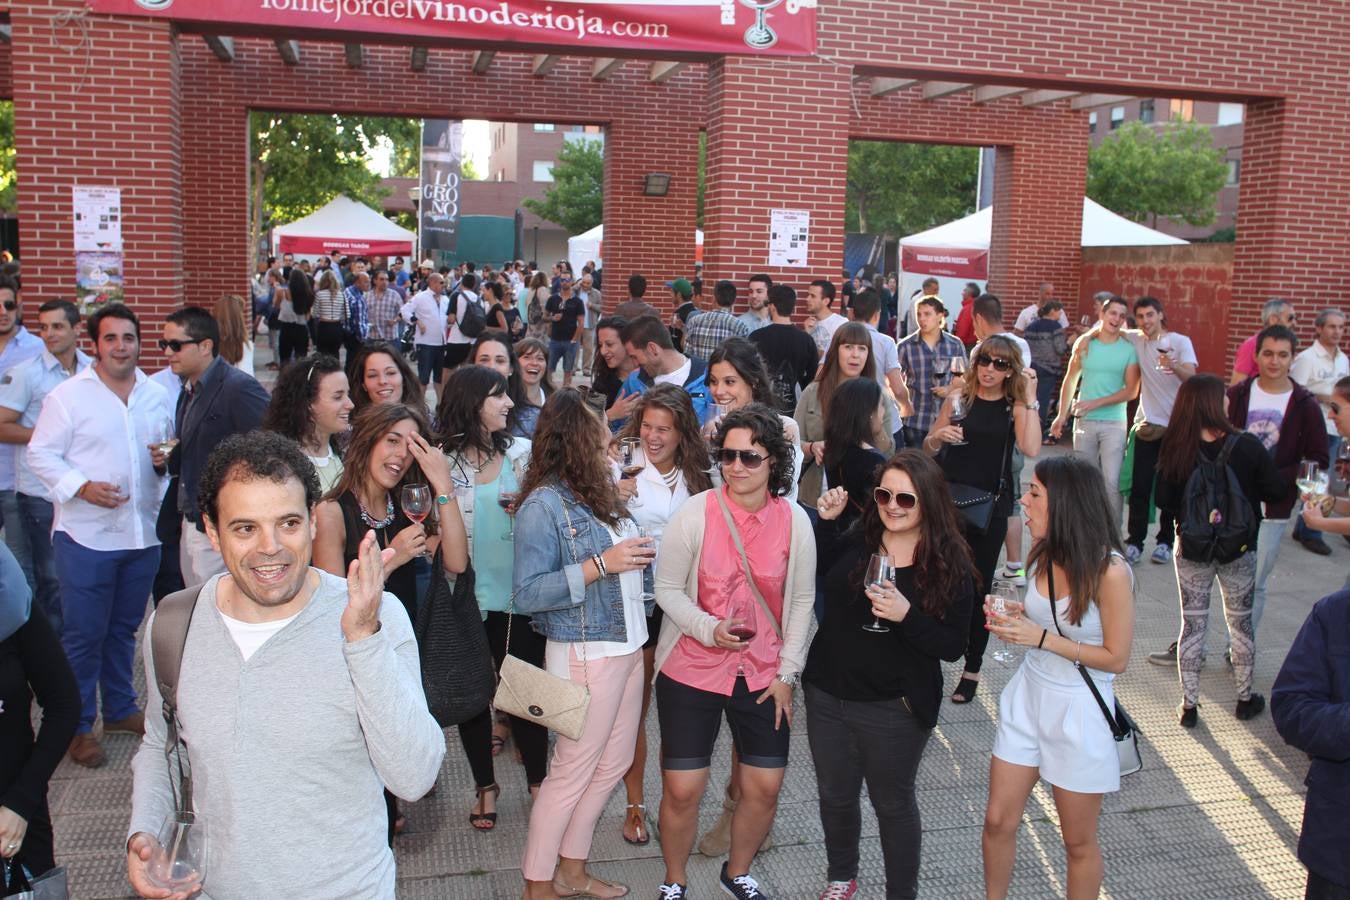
777, 139
97, 103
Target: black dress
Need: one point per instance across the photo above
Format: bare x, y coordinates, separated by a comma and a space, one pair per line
32, 664
402, 582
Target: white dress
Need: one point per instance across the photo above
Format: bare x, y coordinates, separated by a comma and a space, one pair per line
1047, 717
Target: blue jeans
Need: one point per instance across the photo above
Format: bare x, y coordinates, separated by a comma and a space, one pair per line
1301, 530
103, 596
565, 351
29, 537
1268, 540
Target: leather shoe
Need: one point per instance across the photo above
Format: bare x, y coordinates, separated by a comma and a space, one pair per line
1315, 545
132, 724
86, 751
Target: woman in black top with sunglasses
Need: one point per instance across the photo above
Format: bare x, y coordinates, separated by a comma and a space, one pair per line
872, 696
972, 438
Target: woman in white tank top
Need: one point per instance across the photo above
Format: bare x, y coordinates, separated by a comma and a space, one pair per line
1050, 725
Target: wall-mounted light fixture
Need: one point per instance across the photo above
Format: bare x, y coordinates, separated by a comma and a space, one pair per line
656, 184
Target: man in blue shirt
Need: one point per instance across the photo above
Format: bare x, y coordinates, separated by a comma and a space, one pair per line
647, 340
17, 345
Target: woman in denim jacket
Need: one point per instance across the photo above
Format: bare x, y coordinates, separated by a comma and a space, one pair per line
586, 584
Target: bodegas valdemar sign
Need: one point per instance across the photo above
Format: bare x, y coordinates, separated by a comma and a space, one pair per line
771, 27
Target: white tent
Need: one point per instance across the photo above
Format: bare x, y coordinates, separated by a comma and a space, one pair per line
958, 251
344, 225
589, 245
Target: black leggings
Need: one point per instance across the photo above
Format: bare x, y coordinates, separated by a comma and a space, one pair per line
294, 341
531, 739
985, 548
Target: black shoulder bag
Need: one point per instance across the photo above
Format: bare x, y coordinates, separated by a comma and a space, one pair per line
976, 505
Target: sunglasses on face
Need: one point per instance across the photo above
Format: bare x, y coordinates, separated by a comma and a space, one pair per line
749, 458
1000, 365
903, 499
176, 345
11, 305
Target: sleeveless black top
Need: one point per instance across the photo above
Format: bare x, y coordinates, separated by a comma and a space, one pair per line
402, 582
988, 430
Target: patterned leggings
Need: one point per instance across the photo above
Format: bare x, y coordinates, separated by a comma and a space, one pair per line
1237, 581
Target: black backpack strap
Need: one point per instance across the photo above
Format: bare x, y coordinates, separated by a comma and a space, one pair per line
168, 637
1227, 451
1117, 730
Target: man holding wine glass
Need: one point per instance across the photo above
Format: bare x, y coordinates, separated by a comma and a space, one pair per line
925, 359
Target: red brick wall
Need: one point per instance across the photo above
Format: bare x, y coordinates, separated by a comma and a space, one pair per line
1194, 282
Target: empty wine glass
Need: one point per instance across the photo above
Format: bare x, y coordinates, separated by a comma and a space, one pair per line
1006, 600
633, 464
179, 862
1086, 321
118, 514
960, 409
879, 569
416, 502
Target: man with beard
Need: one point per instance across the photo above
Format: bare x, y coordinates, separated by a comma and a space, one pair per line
758, 315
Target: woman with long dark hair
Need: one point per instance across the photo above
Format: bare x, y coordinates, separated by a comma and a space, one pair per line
312, 406
675, 456
297, 301
474, 434
849, 356
502, 316
613, 365
582, 575
494, 349
1049, 724
532, 354
1199, 430
974, 449
872, 696
853, 428
737, 377
379, 373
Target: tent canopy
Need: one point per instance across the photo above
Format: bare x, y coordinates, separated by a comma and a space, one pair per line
589, 246
344, 225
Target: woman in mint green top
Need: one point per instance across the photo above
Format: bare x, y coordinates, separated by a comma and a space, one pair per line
472, 431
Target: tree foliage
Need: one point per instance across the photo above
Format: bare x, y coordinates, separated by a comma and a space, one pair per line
1142, 173
576, 198
300, 162
9, 200
903, 188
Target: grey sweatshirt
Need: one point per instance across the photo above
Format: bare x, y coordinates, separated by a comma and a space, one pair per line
290, 750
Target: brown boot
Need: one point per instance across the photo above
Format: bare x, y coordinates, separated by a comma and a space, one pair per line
717, 842
86, 751
132, 724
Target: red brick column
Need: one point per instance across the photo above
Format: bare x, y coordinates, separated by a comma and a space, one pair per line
98, 105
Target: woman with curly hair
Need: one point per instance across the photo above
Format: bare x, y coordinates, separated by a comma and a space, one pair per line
493, 349
872, 696
675, 457
581, 574
737, 377
312, 406
733, 643
379, 373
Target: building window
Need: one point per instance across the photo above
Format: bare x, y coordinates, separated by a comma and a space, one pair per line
1231, 113
1117, 117
1092, 122
541, 126
543, 170
1234, 169
1182, 109
1146, 111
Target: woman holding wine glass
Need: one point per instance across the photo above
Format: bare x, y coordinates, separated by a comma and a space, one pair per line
899, 596
1318, 515
311, 405
474, 435
973, 437
736, 581
664, 424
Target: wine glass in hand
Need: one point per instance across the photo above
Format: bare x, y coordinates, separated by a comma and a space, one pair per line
507, 496
178, 863
740, 620
416, 502
879, 569
632, 465
960, 409
1005, 599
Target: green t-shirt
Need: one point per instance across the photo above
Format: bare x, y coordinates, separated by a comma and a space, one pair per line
1104, 367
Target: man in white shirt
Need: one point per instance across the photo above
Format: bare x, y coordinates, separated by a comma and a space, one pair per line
1318, 368
822, 321
427, 307
1030, 313
28, 510
866, 309
1166, 359
90, 450
458, 343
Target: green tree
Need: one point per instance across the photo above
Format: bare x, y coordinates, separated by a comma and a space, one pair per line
468, 171
1142, 173
576, 199
9, 200
903, 188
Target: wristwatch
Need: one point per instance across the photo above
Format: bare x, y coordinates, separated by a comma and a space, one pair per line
1034, 406
442, 499
791, 680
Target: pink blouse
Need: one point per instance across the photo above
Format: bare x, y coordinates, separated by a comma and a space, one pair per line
767, 536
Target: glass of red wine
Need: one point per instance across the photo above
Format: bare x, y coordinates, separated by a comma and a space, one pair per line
960, 407
507, 495
416, 501
741, 622
879, 569
632, 466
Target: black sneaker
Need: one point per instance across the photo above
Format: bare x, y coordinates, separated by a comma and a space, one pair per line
742, 887
1188, 716
1251, 707
672, 892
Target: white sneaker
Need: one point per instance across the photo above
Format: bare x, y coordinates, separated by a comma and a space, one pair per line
1017, 576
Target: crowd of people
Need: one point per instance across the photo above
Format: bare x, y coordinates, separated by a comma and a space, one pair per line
712, 511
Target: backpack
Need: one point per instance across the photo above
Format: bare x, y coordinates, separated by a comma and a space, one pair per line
534, 310
1217, 521
474, 321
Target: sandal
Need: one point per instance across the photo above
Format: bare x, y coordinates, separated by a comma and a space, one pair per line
637, 817
485, 821
965, 690
560, 886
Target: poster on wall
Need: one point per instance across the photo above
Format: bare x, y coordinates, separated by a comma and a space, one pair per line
789, 237
98, 245
438, 209
98, 279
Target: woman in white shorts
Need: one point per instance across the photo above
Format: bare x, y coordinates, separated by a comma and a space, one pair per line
1050, 726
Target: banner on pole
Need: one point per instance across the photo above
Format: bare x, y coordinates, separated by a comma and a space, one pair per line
438, 206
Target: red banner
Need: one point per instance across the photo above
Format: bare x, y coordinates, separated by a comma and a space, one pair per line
735, 27
953, 262
310, 246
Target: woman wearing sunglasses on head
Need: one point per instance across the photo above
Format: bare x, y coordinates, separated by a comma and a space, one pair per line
973, 437
732, 644
874, 675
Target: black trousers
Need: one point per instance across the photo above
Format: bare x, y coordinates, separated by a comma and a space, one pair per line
881, 743
1141, 489
294, 341
1320, 888
328, 338
985, 548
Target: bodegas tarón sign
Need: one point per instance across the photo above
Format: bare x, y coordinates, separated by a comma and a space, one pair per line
771, 27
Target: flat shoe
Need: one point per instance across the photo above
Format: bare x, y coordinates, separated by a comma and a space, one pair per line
636, 815
965, 690
565, 890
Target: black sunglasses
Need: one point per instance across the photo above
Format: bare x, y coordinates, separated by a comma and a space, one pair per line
904, 499
175, 345
11, 305
749, 458
1000, 365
